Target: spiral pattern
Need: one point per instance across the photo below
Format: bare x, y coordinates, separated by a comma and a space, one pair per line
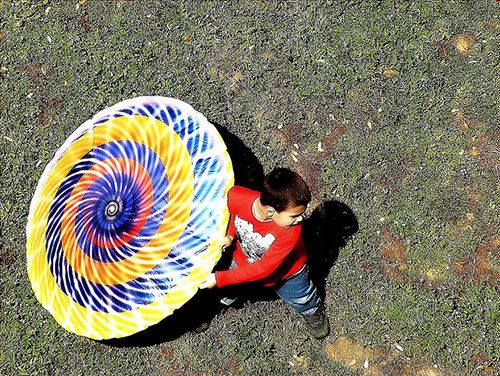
127, 218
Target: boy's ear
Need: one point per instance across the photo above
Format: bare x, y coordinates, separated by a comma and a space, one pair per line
270, 211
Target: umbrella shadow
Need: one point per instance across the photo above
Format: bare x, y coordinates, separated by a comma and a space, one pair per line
248, 171
203, 307
325, 233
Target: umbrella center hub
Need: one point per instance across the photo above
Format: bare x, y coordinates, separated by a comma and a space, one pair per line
113, 208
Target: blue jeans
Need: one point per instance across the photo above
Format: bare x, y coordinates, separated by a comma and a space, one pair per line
299, 292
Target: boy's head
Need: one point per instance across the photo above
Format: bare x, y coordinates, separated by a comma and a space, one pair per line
287, 196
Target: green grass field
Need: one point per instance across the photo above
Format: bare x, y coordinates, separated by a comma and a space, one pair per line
389, 109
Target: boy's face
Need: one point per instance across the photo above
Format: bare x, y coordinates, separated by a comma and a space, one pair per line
289, 217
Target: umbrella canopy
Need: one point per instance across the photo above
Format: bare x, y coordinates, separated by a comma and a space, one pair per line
127, 218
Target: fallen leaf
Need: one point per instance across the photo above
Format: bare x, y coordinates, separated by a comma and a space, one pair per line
434, 274
238, 76
464, 43
390, 72
187, 38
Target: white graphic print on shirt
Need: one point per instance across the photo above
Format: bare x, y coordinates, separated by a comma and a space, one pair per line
252, 243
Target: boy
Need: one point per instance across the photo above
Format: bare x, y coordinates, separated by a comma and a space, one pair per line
269, 248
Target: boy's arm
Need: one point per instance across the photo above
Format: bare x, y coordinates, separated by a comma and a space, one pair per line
264, 267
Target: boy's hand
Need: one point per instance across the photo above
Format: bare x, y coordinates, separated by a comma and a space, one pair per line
226, 242
209, 282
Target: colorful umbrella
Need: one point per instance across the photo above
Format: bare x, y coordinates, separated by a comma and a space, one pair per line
127, 218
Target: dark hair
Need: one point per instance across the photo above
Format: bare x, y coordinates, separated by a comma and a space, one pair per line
283, 189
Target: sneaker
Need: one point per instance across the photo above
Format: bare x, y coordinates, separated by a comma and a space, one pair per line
318, 324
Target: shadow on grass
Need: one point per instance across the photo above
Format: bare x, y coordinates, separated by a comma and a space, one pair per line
201, 308
248, 171
325, 233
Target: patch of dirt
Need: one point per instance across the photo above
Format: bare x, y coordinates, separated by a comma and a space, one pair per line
443, 49
394, 249
33, 70
490, 371
277, 139
166, 351
311, 172
377, 361
485, 147
483, 264
407, 166
37, 76
464, 43
483, 144
475, 197
292, 133
310, 163
234, 83
422, 368
45, 107
391, 272
464, 223
355, 356
307, 163
231, 367
464, 122
8, 257
85, 23
429, 371
480, 361
333, 136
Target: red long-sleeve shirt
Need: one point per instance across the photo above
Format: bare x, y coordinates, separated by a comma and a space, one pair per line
264, 252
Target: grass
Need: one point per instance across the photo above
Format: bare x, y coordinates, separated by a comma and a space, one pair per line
402, 97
